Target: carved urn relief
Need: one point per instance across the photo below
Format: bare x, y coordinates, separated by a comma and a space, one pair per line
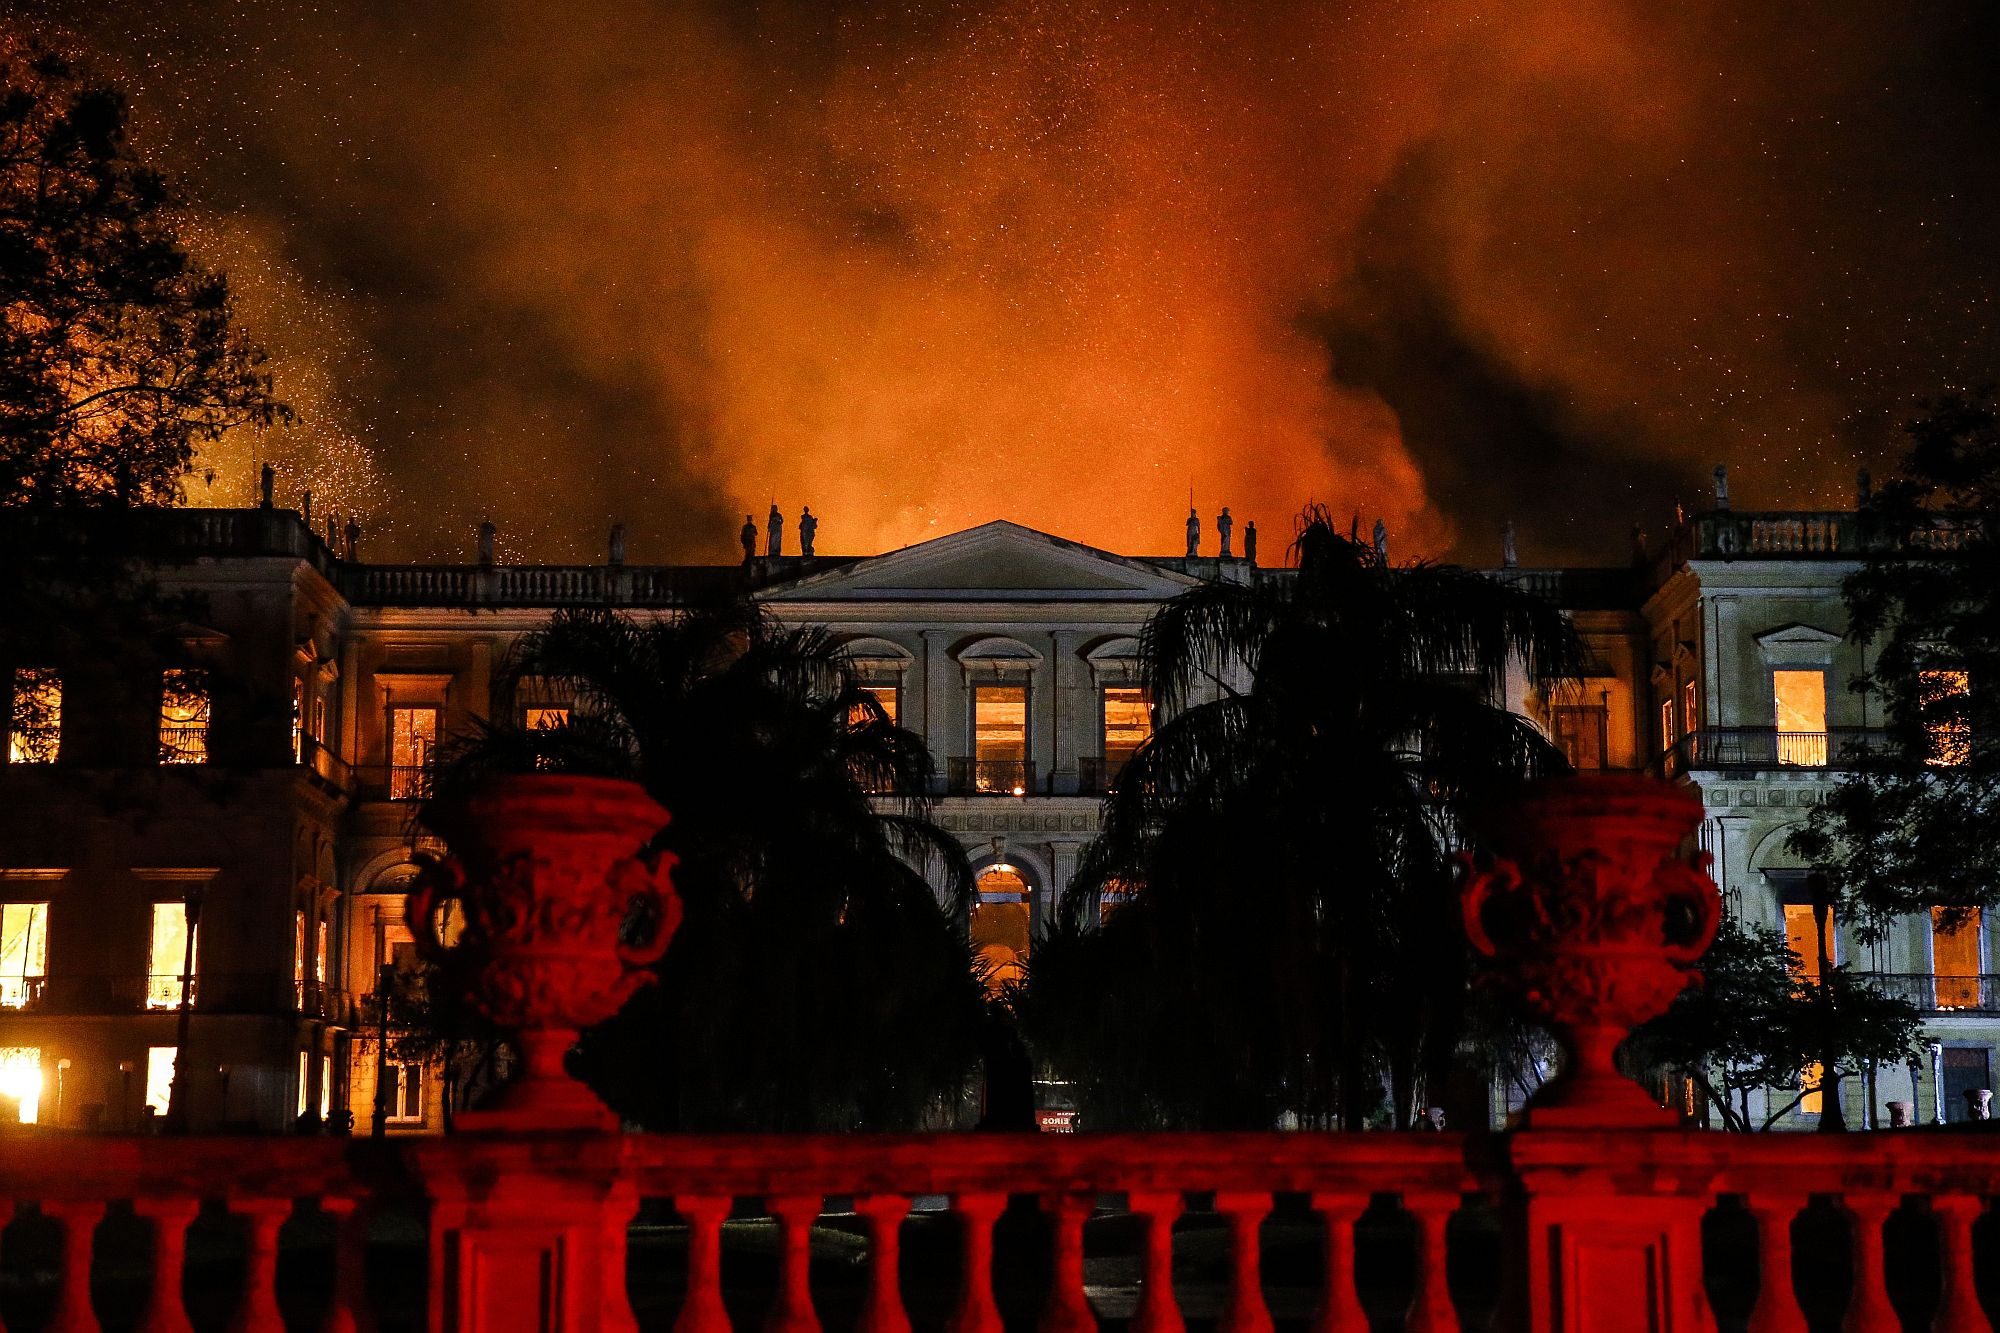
548, 881
1597, 917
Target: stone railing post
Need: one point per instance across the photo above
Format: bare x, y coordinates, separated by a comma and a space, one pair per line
530, 1201
1595, 915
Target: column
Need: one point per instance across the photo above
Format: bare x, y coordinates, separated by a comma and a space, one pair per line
1042, 735
1062, 869
944, 712
1072, 715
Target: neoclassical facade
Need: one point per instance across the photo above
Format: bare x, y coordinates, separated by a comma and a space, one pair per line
315, 685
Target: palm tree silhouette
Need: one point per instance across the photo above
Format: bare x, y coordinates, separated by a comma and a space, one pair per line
817, 981
1282, 847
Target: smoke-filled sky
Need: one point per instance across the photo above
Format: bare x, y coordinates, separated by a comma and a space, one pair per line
920, 265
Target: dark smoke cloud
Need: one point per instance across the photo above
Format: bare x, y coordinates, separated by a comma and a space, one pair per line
925, 265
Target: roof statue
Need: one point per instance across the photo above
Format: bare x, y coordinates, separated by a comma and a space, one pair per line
487, 532
267, 479
808, 531
617, 552
1223, 524
1250, 542
1510, 558
1193, 533
1721, 488
774, 531
1381, 540
748, 536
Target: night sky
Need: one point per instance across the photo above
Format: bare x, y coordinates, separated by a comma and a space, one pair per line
925, 265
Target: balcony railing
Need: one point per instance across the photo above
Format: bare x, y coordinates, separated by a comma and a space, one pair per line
324, 764
990, 777
1758, 749
393, 782
21, 992
101, 993
184, 745
1943, 994
1096, 776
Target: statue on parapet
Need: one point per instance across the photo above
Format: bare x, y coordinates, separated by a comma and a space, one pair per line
1223, 525
1721, 488
1193, 533
1381, 541
774, 534
1250, 542
267, 480
748, 536
808, 531
1510, 558
617, 553
487, 532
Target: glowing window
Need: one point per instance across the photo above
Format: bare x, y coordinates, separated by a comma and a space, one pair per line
887, 698
1690, 708
325, 1087
412, 737
1800, 701
544, 719
24, 952
184, 716
299, 720
34, 733
305, 1073
1812, 1076
1942, 695
320, 950
171, 950
1128, 724
1000, 738
160, 1063
1114, 895
999, 930
20, 1084
1955, 960
406, 1100
1802, 934
1666, 724
299, 947
319, 717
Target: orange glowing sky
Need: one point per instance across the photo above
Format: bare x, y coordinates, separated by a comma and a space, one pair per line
925, 265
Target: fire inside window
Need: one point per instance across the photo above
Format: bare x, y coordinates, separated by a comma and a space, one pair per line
412, 737
160, 1061
885, 697
170, 951
24, 952
1942, 696
20, 1084
1580, 735
1000, 739
34, 733
1128, 724
184, 716
1799, 698
545, 719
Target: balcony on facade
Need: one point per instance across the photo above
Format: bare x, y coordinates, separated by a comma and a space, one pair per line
990, 777
1096, 776
393, 782
1766, 749
1943, 996
101, 994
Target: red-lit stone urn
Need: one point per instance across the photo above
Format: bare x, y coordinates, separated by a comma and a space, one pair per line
546, 872
1597, 917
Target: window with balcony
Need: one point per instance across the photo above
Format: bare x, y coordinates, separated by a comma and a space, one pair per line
406, 1092
1802, 934
24, 952
1000, 740
1690, 707
1128, 724
160, 1062
1799, 700
1580, 734
172, 949
1942, 696
320, 933
999, 928
413, 734
34, 732
20, 1084
326, 1087
298, 721
1955, 956
299, 949
184, 716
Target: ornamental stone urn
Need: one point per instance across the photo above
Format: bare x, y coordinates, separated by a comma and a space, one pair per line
547, 875
1596, 916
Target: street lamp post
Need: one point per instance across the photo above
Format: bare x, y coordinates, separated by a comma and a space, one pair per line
178, 1091
1831, 1118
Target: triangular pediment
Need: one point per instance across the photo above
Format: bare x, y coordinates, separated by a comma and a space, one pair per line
1796, 634
998, 561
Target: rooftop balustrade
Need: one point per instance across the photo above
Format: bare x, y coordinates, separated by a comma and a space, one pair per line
1599, 1214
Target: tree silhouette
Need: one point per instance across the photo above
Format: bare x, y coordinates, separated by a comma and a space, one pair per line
816, 982
1282, 847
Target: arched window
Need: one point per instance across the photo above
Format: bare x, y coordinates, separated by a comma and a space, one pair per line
1000, 919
